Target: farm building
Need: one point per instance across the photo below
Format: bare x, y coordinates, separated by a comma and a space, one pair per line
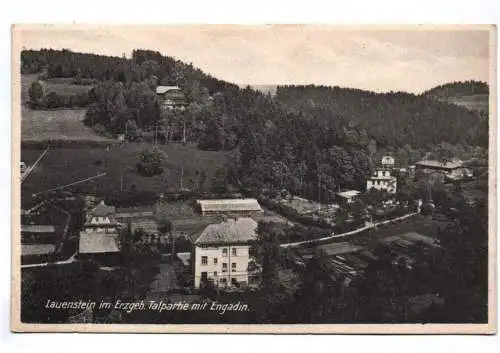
443, 171
345, 198
171, 97
221, 253
230, 207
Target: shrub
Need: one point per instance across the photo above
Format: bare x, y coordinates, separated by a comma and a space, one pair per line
150, 162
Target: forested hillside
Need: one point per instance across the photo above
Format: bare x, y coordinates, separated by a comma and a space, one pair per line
457, 89
473, 95
311, 140
392, 119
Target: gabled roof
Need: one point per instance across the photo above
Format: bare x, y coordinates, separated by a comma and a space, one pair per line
102, 210
165, 89
229, 205
241, 230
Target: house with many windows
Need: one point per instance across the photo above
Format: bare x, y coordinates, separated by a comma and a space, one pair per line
383, 178
221, 254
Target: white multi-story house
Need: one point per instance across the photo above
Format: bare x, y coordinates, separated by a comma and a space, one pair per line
383, 178
221, 253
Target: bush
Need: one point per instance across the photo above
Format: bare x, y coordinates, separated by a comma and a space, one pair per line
99, 129
150, 162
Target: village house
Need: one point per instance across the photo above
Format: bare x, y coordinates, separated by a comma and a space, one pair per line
99, 235
171, 97
221, 255
443, 171
230, 207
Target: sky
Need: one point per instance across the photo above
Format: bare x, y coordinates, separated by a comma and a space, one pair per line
380, 59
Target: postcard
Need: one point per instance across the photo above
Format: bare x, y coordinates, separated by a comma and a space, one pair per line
254, 179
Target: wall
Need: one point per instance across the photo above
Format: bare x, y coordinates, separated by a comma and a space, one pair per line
241, 259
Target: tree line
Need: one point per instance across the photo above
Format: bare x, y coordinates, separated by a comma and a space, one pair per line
457, 89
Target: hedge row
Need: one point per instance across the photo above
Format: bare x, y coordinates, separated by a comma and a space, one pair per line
63, 143
293, 215
130, 199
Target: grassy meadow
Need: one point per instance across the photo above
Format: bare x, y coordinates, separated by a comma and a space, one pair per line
66, 165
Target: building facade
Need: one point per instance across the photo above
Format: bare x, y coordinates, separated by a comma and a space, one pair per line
383, 178
221, 254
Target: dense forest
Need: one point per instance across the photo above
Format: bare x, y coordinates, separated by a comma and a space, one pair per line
311, 140
392, 119
457, 89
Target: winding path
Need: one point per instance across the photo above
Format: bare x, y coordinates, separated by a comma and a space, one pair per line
359, 230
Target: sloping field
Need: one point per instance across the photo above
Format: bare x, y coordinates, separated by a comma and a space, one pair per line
66, 165
64, 124
60, 86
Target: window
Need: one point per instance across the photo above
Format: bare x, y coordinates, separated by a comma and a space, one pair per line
223, 280
233, 267
234, 251
215, 273
204, 260
215, 261
224, 267
224, 252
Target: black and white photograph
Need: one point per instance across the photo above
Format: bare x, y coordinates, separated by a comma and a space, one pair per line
254, 178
